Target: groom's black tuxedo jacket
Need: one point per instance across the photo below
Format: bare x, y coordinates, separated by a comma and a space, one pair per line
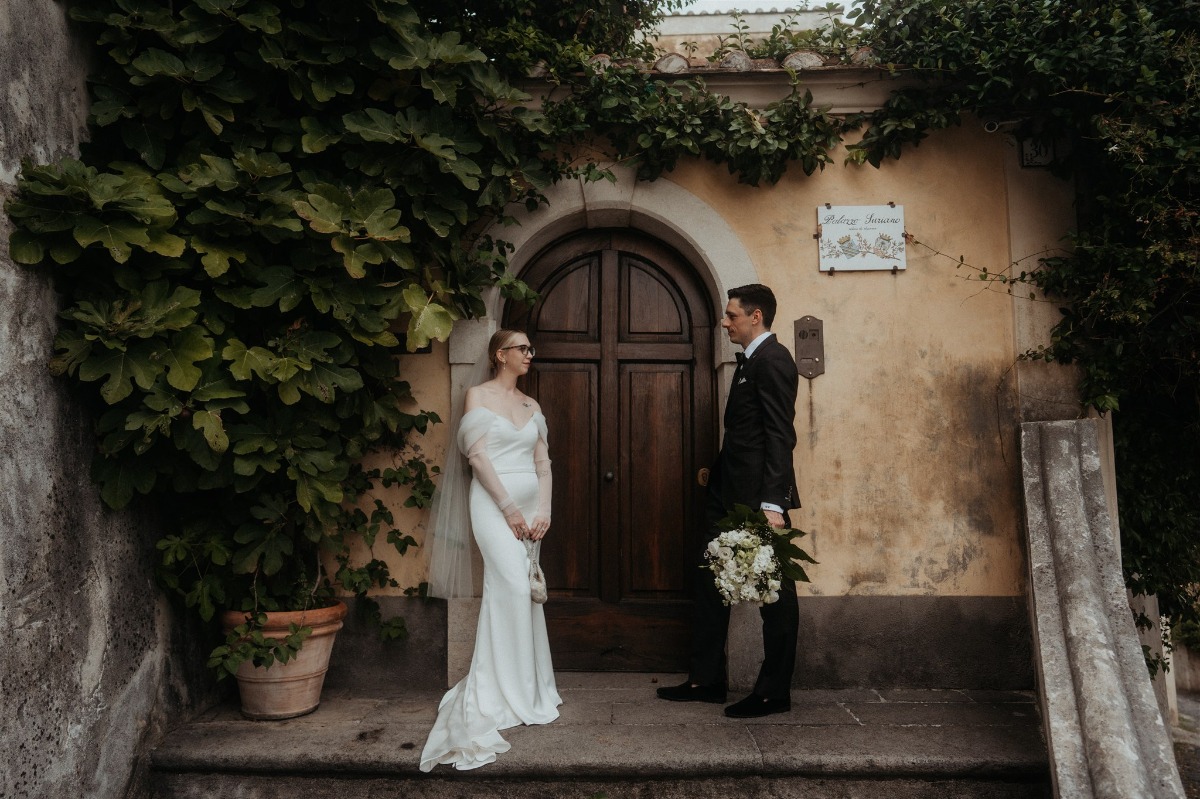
755, 462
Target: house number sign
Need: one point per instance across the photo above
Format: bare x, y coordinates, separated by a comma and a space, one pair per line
860, 237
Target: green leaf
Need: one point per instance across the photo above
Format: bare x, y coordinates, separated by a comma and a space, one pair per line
247, 362
324, 212
211, 390
209, 422
119, 480
310, 489
438, 145
429, 319
281, 285
323, 380
71, 348
65, 251
410, 53
118, 237
188, 348
123, 369
162, 311
147, 139
164, 243
155, 62
444, 89
354, 260
25, 248
266, 20
450, 50
373, 124
317, 138
216, 257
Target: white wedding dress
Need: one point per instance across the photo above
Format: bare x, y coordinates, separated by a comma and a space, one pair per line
511, 680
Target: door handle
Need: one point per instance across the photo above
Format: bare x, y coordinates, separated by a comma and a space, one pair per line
609, 477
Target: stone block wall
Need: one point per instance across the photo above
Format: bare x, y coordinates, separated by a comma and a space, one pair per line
93, 662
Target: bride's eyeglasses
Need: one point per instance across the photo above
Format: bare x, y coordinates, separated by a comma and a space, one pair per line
526, 349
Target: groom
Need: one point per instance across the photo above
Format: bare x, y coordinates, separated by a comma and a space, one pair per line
754, 468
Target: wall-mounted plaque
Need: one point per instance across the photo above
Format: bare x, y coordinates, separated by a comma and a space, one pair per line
1037, 152
860, 237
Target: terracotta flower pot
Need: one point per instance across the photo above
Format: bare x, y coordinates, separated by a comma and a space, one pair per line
287, 690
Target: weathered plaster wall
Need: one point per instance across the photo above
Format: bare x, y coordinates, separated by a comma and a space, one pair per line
907, 455
85, 678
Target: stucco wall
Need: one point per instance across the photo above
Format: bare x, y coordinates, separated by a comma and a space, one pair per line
907, 455
85, 681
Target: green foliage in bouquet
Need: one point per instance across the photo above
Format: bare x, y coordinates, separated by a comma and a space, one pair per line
783, 539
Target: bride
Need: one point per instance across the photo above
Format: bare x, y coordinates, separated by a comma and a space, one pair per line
502, 435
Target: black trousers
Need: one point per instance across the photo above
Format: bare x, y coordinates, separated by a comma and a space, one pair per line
710, 628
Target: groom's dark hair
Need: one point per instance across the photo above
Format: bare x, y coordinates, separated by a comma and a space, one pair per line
756, 297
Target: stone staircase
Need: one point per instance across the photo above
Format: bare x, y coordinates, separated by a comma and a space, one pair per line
616, 740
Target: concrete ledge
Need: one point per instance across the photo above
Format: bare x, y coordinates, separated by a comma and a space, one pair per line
1105, 733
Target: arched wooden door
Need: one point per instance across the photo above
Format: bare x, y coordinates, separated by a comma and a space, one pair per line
624, 333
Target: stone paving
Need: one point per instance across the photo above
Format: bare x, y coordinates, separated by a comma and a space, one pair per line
612, 726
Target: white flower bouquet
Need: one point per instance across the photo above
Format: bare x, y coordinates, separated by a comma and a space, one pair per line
749, 558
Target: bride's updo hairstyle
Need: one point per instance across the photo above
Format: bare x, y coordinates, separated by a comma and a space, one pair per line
500, 339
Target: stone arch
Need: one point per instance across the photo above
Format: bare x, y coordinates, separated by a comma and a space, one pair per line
660, 208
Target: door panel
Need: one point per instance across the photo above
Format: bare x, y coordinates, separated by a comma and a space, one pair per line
657, 503
566, 392
624, 333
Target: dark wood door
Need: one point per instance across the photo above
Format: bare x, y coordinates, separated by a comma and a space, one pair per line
623, 373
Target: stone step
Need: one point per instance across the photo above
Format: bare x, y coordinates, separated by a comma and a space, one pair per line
615, 740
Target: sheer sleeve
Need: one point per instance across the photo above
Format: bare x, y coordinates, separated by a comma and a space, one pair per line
541, 464
485, 473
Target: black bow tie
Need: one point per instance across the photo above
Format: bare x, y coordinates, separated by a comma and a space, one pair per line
741, 357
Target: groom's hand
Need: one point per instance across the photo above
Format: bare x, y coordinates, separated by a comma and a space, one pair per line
774, 518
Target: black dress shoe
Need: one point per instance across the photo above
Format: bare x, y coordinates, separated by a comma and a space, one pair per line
686, 692
754, 706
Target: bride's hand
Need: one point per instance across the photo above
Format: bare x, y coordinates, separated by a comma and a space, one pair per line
516, 522
539, 527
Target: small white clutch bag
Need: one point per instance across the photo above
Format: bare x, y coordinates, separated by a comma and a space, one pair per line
537, 580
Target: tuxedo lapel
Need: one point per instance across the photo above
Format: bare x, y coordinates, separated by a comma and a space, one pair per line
738, 371
745, 364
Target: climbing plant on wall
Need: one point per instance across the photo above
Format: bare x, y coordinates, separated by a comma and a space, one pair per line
274, 202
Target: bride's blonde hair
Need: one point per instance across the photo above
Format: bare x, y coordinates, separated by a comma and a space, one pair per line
500, 339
